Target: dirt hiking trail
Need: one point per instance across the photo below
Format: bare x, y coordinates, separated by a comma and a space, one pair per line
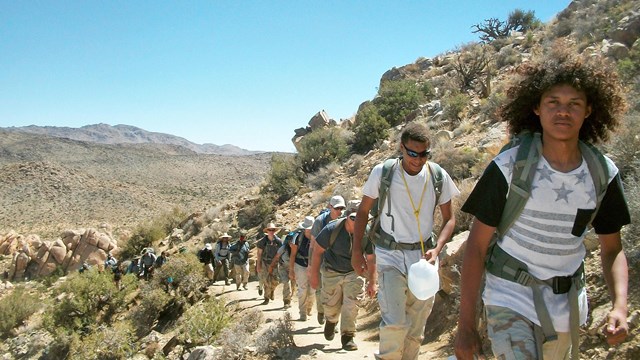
308, 335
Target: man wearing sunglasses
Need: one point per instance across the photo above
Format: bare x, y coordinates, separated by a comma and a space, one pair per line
406, 222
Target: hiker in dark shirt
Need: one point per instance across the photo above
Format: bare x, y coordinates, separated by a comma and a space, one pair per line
267, 249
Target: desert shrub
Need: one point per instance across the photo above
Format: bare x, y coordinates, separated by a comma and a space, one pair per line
454, 105
457, 161
152, 301
321, 177
490, 106
203, 322
518, 20
105, 343
149, 232
396, 99
428, 90
276, 337
233, 339
625, 145
370, 128
507, 56
285, 178
86, 299
471, 63
631, 233
186, 273
256, 212
15, 308
322, 147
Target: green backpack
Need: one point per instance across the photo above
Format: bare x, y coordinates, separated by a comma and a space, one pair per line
375, 234
501, 264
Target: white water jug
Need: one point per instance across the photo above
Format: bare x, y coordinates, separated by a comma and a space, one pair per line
424, 281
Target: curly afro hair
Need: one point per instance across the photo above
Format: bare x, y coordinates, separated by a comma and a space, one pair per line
590, 75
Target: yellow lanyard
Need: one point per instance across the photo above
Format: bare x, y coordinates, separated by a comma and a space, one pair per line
416, 212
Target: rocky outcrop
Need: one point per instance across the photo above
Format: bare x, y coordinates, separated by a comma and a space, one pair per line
318, 121
33, 257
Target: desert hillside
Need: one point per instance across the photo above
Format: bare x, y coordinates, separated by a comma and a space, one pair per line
50, 184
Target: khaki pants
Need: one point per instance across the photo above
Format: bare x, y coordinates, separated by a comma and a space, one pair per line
342, 295
512, 337
208, 271
241, 273
305, 292
403, 316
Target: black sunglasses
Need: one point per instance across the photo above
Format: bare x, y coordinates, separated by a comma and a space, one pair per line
415, 154
352, 217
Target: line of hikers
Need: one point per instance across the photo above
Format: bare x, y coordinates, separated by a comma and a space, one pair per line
532, 207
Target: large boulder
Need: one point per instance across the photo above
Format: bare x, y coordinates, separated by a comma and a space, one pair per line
34, 257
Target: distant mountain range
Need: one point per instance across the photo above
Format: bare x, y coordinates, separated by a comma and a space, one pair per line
127, 134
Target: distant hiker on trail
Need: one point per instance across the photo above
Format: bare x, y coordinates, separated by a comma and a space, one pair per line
147, 261
281, 260
342, 288
84, 267
333, 211
112, 265
222, 255
559, 105
206, 258
162, 259
402, 235
133, 267
300, 245
267, 248
240, 260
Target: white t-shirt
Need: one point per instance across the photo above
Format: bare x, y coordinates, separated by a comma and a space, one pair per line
405, 226
547, 237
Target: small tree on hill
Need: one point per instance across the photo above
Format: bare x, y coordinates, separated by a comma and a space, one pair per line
370, 127
322, 147
397, 99
518, 20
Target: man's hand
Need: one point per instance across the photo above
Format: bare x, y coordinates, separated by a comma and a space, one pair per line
372, 289
359, 263
431, 255
314, 279
468, 345
616, 329
292, 275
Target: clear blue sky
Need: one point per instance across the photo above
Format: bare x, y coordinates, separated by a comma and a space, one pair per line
245, 73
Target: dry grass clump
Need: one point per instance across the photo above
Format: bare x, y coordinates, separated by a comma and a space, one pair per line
278, 337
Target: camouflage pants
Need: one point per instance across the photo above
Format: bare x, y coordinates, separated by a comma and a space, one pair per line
269, 281
512, 337
288, 286
241, 273
341, 297
403, 316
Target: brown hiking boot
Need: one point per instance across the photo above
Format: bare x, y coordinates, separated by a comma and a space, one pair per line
329, 330
287, 304
348, 343
320, 318
265, 302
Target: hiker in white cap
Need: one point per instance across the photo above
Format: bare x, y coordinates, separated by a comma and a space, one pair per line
333, 211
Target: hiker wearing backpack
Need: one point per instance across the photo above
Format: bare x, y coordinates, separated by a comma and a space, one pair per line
405, 193
205, 256
333, 211
267, 249
300, 244
221, 255
281, 260
535, 295
147, 262
240, 259
342, 288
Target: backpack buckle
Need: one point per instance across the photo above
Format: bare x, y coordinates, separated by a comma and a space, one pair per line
562, 284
